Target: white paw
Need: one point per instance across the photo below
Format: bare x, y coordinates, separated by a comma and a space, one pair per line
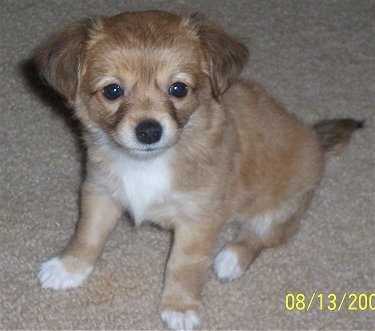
226, 265
52, 274
180, 320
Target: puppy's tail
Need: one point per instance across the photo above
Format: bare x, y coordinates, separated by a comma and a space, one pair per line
334, 134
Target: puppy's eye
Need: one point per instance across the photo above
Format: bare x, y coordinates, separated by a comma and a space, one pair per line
178, 89
113, 91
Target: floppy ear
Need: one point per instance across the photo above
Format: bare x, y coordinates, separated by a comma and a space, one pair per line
225, 55
58, 61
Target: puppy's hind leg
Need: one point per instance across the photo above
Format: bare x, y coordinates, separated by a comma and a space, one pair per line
99, 215
235, 257
266, 230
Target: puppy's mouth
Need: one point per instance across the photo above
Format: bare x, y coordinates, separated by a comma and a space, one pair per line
148, 150
146, 153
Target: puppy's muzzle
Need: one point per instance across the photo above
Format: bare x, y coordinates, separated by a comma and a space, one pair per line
148, 132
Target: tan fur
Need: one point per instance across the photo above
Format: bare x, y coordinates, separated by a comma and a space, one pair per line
231, 152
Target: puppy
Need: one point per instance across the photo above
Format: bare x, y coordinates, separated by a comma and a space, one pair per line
174, 137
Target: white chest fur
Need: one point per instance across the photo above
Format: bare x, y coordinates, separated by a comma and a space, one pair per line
141, 183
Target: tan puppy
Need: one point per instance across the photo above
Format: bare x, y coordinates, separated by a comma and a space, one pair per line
174, 137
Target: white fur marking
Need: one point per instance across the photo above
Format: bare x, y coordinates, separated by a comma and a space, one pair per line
180, 320
262, 224
145, 182
52, 274
226, 265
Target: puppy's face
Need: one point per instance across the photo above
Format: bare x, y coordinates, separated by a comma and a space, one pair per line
141, 87
138, 77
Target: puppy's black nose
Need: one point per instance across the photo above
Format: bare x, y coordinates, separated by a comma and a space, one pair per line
148, 132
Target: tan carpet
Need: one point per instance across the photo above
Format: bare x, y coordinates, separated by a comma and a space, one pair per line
317, 57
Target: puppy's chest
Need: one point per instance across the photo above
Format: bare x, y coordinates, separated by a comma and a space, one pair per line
140, 185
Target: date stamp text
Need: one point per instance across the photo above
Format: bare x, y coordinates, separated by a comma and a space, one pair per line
330, 301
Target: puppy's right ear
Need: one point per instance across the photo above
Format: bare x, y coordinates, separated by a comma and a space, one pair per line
59, 60
224, 54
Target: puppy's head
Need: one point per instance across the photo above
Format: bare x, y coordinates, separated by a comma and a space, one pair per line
139, 76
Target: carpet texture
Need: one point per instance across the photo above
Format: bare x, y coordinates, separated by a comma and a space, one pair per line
317, 57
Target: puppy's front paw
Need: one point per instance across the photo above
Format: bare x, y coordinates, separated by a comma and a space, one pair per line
226, 265
53, 274
180, 320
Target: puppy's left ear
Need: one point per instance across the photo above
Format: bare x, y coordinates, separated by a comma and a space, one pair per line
225, 55
59, 60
